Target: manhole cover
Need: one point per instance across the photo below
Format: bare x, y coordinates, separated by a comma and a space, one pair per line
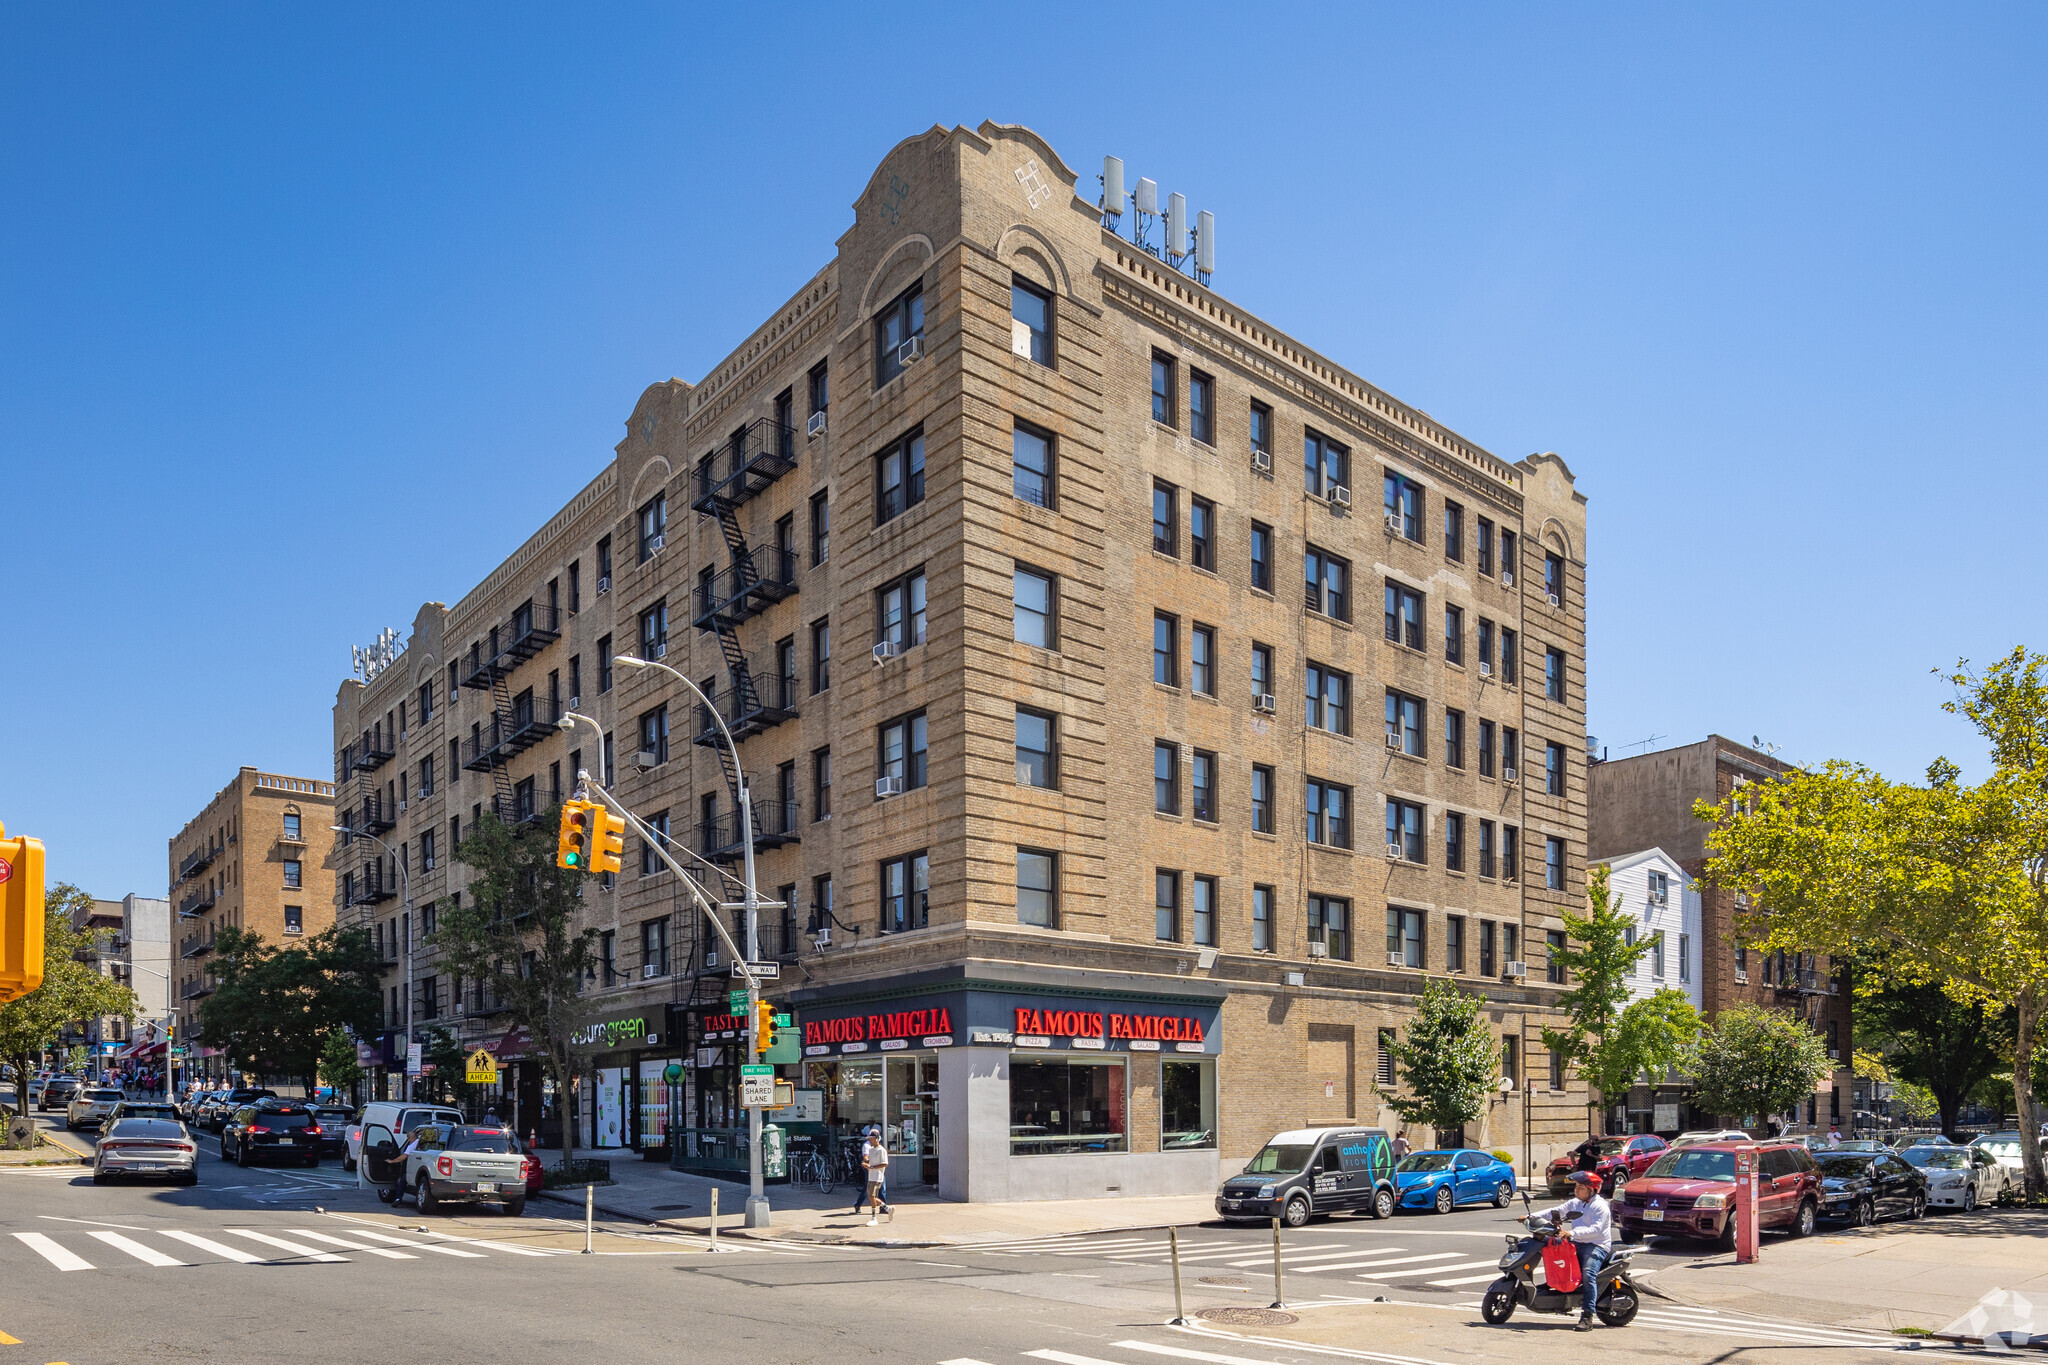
1248, 1317
1238, 1280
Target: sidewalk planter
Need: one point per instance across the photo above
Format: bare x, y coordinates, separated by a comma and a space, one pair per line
584, 1172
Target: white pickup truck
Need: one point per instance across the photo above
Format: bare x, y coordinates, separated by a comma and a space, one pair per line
442, 1163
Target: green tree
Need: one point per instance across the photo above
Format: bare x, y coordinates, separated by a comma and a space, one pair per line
1447, 1062
1609, 1040
1928, 1038
339, 1066
1917, 1100
274, 1007
1752, 1062
516, 936
72, 991
1947, 883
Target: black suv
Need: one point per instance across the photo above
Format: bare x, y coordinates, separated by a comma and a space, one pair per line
220, 1110
272, 1128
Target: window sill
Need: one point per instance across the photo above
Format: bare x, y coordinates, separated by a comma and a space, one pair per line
1335, 735
1416, 650
1158, 553
1200, 823
1257, 591
1265, 834
1332, 848
1167, 427
1175, 816
1403, 753
1159, 686
1337, 621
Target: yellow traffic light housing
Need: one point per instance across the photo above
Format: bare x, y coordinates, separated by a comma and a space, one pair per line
610, 843
764, 1026
573, 842
21, 915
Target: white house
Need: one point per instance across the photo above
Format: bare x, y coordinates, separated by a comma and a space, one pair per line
1664, 904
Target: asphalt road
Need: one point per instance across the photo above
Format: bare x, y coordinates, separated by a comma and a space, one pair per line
251, 1264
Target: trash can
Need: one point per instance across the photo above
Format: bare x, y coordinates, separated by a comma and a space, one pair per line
774, 1156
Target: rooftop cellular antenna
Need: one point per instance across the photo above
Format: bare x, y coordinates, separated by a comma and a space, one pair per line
1113, 197
1190, 250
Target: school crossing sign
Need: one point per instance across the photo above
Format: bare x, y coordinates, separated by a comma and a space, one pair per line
482, 1068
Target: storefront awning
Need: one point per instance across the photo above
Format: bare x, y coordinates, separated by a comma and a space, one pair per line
512, 1046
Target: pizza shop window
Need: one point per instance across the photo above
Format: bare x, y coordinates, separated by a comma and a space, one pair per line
1187, 1104
1062, 1105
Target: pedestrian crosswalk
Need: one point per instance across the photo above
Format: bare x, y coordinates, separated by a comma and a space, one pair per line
1351, 1259
1665, 1316
162, 1248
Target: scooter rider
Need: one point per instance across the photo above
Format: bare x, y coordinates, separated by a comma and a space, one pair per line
1591, 1223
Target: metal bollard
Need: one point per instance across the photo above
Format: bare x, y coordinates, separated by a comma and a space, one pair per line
1279, 1297
589, 1214
1180, 1313
714, 1217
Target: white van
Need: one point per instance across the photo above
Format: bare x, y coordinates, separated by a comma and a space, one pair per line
401, 1117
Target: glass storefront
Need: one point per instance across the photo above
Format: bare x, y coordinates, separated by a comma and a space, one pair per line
1061, 1104
1187, 1104
900, 1095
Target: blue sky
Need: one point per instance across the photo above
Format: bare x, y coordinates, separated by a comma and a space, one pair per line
308, 319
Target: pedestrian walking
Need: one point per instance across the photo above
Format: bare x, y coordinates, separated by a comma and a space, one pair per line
1401, 1144
875, 1158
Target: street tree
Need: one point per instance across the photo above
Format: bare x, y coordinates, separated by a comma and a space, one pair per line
72, 992
339, 1065
1947, 882
274, 1007
516, 937
1928, 1038
1609, 1040
1447, 1063
1753, 1062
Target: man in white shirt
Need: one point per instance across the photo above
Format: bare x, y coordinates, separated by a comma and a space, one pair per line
1590, 1223
875, 1158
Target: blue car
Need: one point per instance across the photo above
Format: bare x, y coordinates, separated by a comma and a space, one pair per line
1442, 1180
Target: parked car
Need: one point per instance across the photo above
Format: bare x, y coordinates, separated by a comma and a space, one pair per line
2005, 1149
57, 1093
1446, 1178
1711, 1135
334, 1121
271, 1128
1859, 1145
1308, 1171
1690, 1192
1959, 1177
144, 1109
146, 1146
1617, 1161
395, 1118
204, 1109
443, 1163
90, 1106
227, 1102
36, 1084
1859, 1188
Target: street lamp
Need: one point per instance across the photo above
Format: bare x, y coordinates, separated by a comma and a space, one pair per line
405, 892
757, 1196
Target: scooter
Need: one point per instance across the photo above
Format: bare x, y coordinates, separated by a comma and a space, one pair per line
1615, 1305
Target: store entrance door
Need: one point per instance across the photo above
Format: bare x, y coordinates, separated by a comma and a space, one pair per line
910, 1122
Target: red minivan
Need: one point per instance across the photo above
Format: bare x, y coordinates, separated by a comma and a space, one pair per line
1690, 1192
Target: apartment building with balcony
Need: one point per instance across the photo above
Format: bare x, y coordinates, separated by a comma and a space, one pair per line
1645, 802
256, 857
1115, 830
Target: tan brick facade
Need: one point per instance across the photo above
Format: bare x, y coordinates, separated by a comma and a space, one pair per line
963, 214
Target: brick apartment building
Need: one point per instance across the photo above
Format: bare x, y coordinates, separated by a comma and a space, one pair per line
1054, 671
256, 857
1645, 803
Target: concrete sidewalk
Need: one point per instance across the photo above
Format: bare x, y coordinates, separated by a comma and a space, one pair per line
1922, 1274
650, 1192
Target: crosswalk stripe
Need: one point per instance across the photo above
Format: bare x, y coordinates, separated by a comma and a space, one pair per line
347, 1245
1381, 1262
52, 1251
512, 1247
418, 1246
1467, 1279
963, 1360
1783, 1331
147, 1255
1428, 1270
220, 1249
1068, 1358
1289, 1258
1185, 1353
295, 1248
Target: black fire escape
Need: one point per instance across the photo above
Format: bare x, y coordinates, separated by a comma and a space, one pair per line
517, 723
758, 577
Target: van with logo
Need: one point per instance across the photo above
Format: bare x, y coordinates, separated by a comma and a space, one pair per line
1312, 1172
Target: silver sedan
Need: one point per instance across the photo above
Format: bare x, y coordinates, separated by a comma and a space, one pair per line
159, 1147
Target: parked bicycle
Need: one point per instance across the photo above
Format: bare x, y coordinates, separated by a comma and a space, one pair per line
808, 1167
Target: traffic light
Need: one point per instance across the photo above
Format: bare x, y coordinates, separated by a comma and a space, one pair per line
572, 844
21, 915
610, 844
764, 1026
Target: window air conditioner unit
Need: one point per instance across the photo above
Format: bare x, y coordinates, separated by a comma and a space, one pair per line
575, 703
1393, 523
1741, 977
1262, 461
649, 969
1318, 949
1834, 1054
1339, 495
1507, 578
886, 651
401, 805
1660, 898
910, 352
1263, 701
816, 426
1485, 669
659, 651
660, 542
604, 584
458, 1009
1394, 853
1393, 741
645, 759
822, 939
1551, 598
1396, 960
888, 786
1516, 971
1507, 775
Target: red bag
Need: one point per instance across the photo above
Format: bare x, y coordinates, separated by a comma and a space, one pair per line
1561, 1267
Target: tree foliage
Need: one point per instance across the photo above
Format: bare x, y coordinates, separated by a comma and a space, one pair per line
1447, 1062
1927, 1038
517, 936
1948, 883
274, 1007
72, 991
1752, 1062
339, 1065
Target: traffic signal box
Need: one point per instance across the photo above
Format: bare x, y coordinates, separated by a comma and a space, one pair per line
611, 840
764, 1028
21, 915
573, 843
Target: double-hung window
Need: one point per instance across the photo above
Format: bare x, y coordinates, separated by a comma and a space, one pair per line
1327, 584
1454, 841
1262, 432
1329, 813
1454, 531
1404, 829
1031, 460
821, 783
821, 528
899, 477
1165, 519
1486, 748
1510, 854
1329, 923
1454, 634
1486, 848
1202, 908
1202, 534
1262, 919
1202, 407
819, 386
1482, 543
1037, 749
1164, 407
654, 631
1402, 497
906, 892
1553, 966
1262, 556
821, 655
1404, 615
1202, 785
1202, 659
1486, 965
901, 751
1324, 464
1262, 798
1262, 671
1510, 656
654, 733
1454, 738
1328, 698
1404, 937
1553, 674
654, 947
650, 861
1166, 905
1037, 888
1031, 608
897, 326
1454, 943
1404, 723
1483, 644
1166, 777
1553, 768
1553, 578
900, 612
1510, 752
653, 526
1553, 863
1165, 649
1030, 322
